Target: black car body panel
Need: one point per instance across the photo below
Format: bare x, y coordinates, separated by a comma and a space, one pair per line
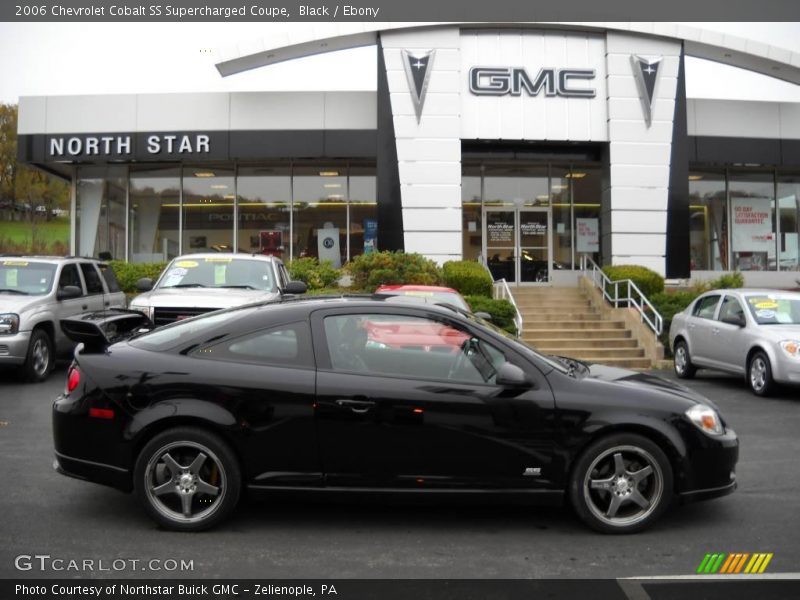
305, 424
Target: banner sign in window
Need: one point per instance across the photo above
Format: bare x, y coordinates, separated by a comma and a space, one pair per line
588, 235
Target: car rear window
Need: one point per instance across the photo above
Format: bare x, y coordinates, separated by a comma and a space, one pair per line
200, 329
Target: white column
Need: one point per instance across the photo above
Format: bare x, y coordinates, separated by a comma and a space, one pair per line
428, 152
91, 199
636, 205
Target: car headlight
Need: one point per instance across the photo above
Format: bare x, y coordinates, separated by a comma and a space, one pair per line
705, 418
9, 324
147, 310
791, 347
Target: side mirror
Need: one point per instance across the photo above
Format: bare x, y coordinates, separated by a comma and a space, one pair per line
145, 284
484, 315
737, 320
69, 292
295, 287
512, 376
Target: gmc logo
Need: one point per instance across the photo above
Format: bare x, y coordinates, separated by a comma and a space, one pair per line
499, 81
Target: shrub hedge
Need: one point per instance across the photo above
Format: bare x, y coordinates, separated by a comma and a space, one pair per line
468, 277
645, 279
316, 275
129, 273
392, 268
502, 311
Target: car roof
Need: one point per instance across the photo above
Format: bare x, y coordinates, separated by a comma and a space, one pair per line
415, 288
746, 291
48, 258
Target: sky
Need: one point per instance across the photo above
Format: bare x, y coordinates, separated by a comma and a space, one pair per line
45, 59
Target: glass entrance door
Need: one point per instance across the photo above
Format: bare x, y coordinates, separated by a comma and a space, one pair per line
518, 244
534, 245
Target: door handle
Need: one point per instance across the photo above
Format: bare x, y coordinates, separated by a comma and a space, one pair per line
85, 307
108, 303
357, 406
714, 330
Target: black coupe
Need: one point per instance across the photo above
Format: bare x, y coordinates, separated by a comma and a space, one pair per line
344, 394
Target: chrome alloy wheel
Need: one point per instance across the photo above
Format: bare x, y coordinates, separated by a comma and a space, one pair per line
623, 486
40, 353
681, 360
758, 374
185, 482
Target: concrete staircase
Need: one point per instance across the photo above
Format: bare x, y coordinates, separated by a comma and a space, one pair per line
563, 321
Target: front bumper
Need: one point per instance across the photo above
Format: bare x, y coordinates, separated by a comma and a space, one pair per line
14, 348
785, 369
709, 470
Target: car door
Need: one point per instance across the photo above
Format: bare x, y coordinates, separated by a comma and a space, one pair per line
407, 400
69, 276
116, 297
729, 345
95, 299
699, 325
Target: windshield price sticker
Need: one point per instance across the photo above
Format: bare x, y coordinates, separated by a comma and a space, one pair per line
219, 260
763, 303
11, 278
15, 263
219, 274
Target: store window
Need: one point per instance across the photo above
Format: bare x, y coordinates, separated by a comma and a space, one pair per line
320, 213
561, 202
586, 185
208, 209
472, 212
708, 221
265, 196
101, 197
153, 223
363, 207
788, 222
753, 226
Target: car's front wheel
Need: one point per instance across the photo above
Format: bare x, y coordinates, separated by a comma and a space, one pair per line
188, 479
683, 361
759, 375
621, 484
40, 358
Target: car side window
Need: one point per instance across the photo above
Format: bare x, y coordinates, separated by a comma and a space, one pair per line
731, 309
705, 307
285, 345
110, 278
93, 283
409, 346
69, 276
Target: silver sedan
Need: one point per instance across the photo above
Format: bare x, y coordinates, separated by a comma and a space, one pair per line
754, 333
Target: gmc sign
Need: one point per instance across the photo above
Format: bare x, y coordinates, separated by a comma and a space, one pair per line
512, 81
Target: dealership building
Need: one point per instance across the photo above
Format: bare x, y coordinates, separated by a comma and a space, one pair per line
528, 145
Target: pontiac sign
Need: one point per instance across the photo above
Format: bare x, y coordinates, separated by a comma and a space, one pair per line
513, 81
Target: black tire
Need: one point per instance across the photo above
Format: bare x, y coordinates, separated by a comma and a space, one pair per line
682, 361
597, 483
759, 375
163, 491
40, 358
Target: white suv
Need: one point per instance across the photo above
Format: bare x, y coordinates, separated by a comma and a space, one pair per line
36, 292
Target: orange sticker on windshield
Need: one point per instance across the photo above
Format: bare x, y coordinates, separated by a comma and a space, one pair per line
186, 264
15, 263
765, 304
225, 260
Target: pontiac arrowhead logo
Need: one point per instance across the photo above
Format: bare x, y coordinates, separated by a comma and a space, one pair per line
645, 71
418, 72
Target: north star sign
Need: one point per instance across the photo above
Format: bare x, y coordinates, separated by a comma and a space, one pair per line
512, 81
122, 145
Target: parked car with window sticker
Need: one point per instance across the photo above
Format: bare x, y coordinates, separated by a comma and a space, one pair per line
195, 284
36, 292
754, 333
295, 395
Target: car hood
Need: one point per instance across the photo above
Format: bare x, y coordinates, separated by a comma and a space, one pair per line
634, 380
777, 333
17, 303
202, 297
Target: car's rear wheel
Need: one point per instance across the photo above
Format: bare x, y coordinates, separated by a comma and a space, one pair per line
621, 484
683, 361
759, 375
188, 479
40, 358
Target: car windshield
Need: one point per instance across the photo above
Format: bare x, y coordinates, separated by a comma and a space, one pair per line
775, 309
222, 272
522, 346
26, 277
431, 297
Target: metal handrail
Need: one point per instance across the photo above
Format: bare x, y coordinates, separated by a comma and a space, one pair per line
501, 291
633, 295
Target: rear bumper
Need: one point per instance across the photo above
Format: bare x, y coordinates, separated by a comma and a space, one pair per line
93, 471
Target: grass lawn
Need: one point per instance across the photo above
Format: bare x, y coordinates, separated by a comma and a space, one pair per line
50, 236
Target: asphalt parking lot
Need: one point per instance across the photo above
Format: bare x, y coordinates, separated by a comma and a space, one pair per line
47, 514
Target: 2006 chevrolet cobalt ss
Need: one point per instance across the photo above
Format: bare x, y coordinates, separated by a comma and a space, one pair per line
298, 395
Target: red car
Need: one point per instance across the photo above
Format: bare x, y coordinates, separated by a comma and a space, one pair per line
433, 294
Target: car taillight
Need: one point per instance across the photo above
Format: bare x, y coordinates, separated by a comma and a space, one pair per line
73, 379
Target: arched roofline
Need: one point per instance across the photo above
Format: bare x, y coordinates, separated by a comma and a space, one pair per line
735, 51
